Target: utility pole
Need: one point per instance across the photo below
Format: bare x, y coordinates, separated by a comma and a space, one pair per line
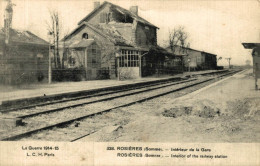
228, 59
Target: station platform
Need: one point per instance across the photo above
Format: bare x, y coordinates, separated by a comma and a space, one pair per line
9, 94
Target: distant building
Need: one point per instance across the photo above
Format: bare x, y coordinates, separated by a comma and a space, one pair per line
195, 59
128, 42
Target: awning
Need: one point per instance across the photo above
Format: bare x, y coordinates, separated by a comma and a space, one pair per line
250, 45
81, 44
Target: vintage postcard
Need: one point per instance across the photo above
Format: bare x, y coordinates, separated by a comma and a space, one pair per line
123, 82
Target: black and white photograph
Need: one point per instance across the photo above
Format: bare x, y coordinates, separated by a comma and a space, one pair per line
135, 76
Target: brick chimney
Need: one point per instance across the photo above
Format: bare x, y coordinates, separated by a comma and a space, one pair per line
134, 9
96, 4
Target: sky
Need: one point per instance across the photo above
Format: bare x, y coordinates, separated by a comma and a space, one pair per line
218, 27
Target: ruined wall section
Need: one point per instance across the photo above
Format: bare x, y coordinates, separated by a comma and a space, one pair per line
145, 35
98, 17
126, 30
109, 14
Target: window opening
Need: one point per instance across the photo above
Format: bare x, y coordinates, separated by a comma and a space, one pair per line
129, 58
85, 36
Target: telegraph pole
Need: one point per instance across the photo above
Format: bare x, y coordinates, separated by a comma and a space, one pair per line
228, 59
8, 16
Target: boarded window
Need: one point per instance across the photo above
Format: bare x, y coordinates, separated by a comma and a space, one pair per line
103, 17
39, 56
108, 17
199, 59
71, 61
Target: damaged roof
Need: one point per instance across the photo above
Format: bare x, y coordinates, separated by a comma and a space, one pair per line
23, 37
108, 31
121, 10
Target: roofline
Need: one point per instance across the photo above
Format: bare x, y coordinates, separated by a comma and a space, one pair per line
195, 50
150, 24
43, 42
104, 3
250, 45
25, 43
97, 31
92, 12
72, 32
85, 24
38, 37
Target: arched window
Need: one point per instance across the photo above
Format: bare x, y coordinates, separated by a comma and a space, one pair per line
85, 36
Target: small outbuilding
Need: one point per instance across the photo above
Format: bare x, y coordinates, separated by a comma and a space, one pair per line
84, 55
24, 59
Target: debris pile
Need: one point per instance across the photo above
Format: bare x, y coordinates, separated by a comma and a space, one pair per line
204, 109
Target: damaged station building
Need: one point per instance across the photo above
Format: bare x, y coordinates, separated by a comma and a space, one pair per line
114, 42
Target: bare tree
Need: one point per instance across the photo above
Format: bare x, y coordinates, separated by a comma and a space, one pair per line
65, 49
178, 37
54, 27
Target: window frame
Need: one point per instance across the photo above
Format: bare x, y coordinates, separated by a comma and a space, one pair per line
129, 58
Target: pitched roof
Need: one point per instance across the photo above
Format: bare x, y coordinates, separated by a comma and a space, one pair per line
121, 10
26, 37
108, 31
178, 51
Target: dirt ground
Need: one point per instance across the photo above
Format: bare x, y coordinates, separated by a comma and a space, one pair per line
226, 112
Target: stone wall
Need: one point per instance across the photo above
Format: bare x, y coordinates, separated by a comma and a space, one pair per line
129, 72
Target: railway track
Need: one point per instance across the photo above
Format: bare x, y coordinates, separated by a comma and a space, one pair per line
83, 96
61, 114
90, 99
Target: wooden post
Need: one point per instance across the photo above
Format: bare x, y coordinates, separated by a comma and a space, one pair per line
49, 71
86, 62
127, 59
256, 69
140, 64
118, 73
